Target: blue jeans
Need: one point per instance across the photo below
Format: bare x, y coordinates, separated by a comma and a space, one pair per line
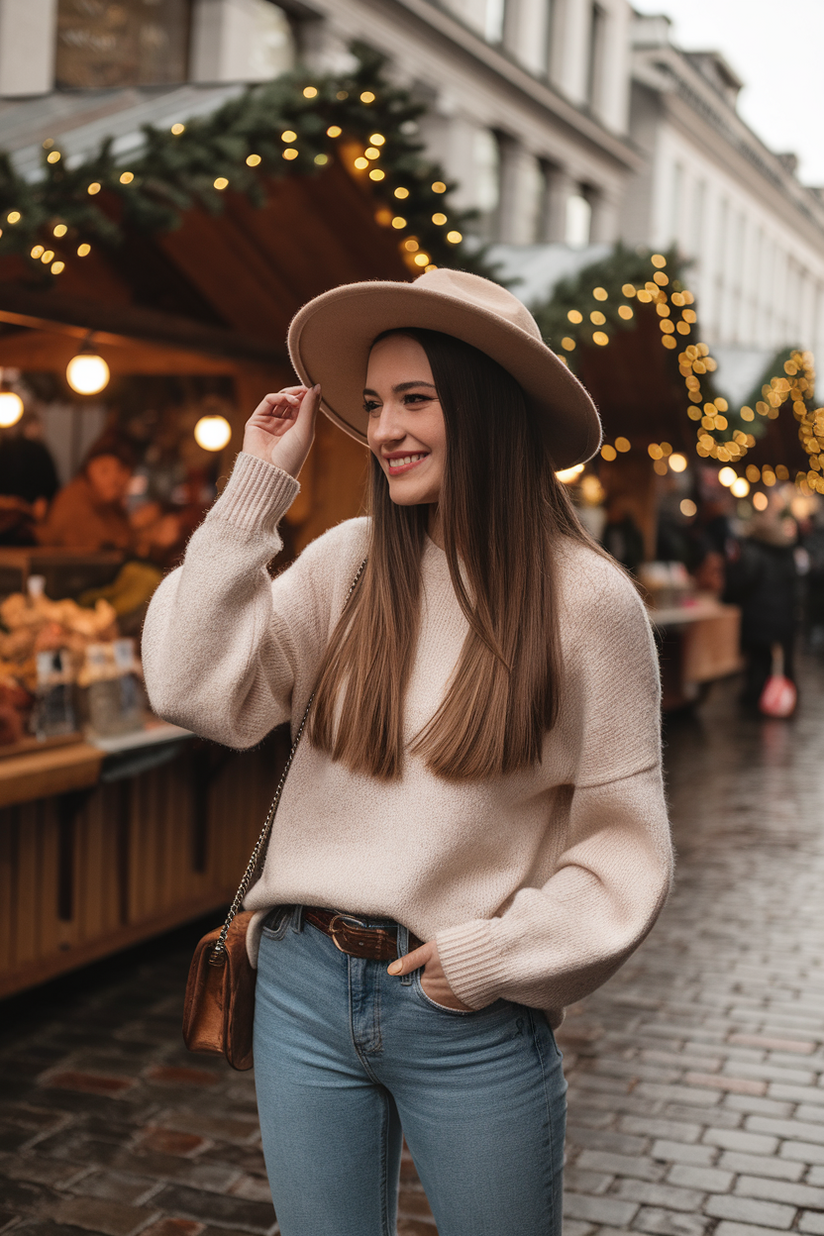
349, 1059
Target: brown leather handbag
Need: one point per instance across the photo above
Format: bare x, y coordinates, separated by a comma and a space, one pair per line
219, 1009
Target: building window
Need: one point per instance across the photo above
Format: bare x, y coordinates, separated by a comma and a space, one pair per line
698, 199
676, 202
550, 16
121, 42
494, 20
487, 151
595, 66
578, 220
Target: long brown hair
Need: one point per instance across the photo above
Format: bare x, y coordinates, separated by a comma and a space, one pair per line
502, 514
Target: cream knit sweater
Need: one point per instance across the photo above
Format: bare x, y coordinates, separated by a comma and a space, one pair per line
536, 886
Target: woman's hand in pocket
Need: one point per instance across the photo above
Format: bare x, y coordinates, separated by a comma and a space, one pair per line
433, 979
282, 427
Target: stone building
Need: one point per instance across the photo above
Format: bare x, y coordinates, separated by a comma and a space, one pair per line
528, 99
753, 233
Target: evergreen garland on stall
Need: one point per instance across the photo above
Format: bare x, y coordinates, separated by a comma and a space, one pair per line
294, 125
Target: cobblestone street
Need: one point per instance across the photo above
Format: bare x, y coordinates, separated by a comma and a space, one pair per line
696, 1075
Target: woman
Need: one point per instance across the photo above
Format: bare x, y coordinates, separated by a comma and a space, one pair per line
473, 833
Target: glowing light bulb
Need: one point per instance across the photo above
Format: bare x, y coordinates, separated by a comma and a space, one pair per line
678, 462
212, 432
87, 373
727, 476
11, 409
740, 487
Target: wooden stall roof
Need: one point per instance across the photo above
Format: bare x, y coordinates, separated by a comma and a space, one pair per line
215, 295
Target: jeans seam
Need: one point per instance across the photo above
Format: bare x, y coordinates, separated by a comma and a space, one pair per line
551, 1158
383, 1166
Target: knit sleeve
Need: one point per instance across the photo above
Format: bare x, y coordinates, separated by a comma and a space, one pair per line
225, 648
557, 942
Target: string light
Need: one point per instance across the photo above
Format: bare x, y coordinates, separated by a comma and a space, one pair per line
13, 216
439, 219
310, 92
454, 237
221, 182
372, 152
608, 452
401, 193
59, 229
288, 135
253, 160
58, 267
334, 130
377, 139
575, 316
84, 250
53, 156
377, 174
600, 293
290, 153
322, 160
367, 97
688, 508
178, 128
398, 221
94, 188
126, 178
439, 187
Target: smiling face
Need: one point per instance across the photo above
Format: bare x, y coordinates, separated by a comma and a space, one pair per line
406, 431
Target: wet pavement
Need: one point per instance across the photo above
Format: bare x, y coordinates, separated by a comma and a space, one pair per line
696, 1074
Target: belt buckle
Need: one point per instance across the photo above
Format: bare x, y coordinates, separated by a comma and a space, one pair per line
343, 917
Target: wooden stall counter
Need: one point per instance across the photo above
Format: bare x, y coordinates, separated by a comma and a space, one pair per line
699, 643
106, 842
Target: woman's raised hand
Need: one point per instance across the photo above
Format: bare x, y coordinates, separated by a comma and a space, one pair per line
282, 426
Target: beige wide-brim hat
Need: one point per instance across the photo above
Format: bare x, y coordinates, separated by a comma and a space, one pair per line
330, 339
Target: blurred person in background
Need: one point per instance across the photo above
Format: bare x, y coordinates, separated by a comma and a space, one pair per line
763, 580
28, 481
90, 513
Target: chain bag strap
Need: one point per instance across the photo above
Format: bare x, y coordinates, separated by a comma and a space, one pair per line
217, 955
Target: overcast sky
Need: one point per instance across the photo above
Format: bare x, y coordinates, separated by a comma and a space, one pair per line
777, 49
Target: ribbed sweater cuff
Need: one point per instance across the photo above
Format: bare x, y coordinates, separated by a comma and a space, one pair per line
257, 494
471, 963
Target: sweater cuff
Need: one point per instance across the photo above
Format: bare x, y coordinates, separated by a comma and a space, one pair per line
471, 962
257, 494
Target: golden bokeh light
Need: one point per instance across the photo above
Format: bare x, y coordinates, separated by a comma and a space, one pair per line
212, 433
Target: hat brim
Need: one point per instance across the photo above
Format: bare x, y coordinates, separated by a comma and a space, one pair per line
331, 336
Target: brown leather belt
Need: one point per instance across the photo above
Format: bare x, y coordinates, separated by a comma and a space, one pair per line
353, 938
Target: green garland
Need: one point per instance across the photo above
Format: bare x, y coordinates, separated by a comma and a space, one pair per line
239, 146
622, 275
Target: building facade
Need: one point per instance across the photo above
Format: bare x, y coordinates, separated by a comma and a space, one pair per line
567, 122
527, 99
754, 235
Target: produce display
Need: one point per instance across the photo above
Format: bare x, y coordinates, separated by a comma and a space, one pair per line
63, 665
